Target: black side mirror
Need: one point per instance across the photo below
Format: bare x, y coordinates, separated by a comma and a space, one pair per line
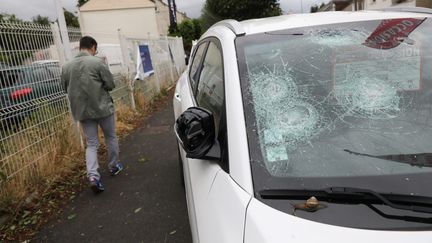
195, 131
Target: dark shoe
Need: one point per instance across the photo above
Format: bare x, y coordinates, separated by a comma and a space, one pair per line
96, 185
114, 171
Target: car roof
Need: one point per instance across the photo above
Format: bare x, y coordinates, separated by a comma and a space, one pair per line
291, 21
42, 62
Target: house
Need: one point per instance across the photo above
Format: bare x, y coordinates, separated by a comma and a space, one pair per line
136, 18
162, 13
378, 4
342, 5
356, 5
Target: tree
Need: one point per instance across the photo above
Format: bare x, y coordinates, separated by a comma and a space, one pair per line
197, 29
71, 19
18, 45
314, 8
10, 18
216, 10
81, 2
189, 30
43, 20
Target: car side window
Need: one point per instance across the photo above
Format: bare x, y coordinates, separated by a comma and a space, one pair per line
55, 71
195, 65
210, 91
9, 77
40, 75
35, 74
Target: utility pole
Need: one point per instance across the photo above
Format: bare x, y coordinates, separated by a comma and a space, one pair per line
175, 10
68, 56
172, 13
63, 29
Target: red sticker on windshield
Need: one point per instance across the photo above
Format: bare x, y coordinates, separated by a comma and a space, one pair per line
390, 33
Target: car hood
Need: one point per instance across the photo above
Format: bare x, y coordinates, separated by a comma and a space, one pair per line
267, 225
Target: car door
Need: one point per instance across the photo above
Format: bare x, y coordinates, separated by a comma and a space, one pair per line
203, 88
183, 99
184, 93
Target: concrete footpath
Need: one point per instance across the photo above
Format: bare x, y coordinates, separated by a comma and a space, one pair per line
145, 203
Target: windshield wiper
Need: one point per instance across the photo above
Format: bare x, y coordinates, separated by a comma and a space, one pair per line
420, 160
355, 196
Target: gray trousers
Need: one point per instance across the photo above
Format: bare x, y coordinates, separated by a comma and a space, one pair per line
90, 128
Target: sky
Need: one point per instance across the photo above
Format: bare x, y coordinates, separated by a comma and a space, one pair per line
26, 9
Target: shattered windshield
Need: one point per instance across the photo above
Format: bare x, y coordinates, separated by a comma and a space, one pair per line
340, 100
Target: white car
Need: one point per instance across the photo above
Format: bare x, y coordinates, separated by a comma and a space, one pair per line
309, 128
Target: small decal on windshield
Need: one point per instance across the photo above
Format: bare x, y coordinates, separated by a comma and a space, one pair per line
276, 153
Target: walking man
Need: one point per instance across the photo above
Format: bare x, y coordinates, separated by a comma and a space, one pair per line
87, 82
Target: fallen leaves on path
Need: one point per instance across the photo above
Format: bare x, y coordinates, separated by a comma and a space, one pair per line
137, 210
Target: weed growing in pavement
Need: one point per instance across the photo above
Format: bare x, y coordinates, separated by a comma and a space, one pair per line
164, 91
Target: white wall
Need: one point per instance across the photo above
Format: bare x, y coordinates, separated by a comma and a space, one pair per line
377, 4
349, 8
407, 4
370, 4
162, 17
103, 25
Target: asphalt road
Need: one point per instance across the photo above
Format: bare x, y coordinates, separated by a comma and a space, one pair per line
145, 203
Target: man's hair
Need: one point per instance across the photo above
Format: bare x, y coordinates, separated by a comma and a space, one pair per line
87, 42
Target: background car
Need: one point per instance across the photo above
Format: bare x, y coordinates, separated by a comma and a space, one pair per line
311, 127
24, 88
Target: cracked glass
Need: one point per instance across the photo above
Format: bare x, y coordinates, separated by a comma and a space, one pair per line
313, 94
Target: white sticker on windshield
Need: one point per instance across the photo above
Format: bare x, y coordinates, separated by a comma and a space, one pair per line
276, 153
275, 148
273, 136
